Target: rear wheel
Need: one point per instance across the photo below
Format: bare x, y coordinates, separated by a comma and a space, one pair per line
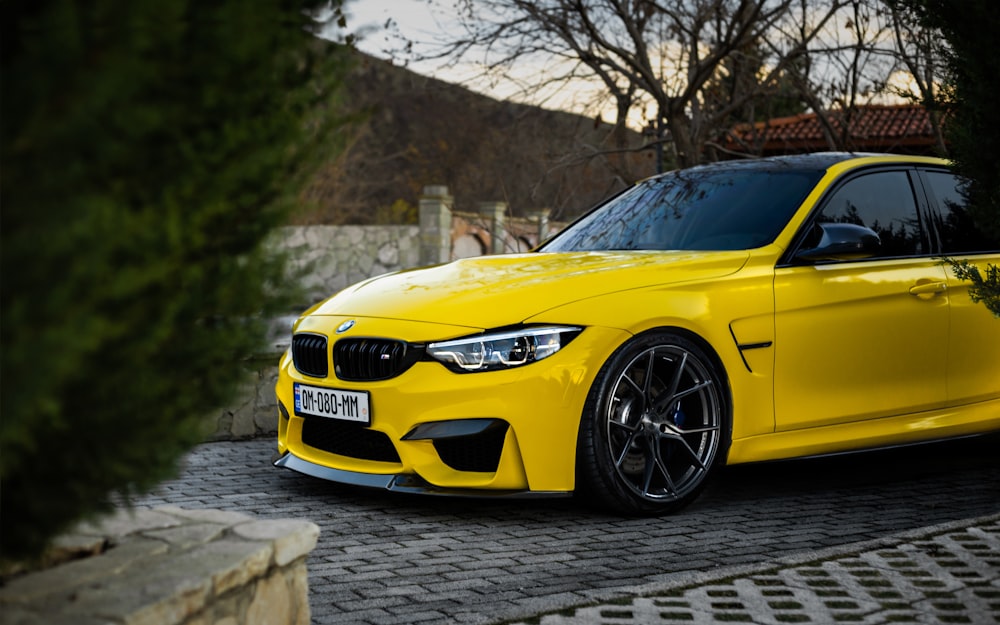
655, 425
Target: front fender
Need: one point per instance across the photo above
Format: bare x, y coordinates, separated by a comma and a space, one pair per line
725, 313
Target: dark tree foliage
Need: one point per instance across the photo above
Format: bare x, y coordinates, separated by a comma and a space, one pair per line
148, 147
984, 289
970, 28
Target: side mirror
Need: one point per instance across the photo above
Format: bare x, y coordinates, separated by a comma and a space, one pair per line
842, 242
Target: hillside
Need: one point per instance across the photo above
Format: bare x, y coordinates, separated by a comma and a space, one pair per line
417, 131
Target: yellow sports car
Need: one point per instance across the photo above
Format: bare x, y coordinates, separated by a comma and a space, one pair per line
728, 313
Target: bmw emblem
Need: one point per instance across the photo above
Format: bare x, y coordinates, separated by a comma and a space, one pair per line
344, 327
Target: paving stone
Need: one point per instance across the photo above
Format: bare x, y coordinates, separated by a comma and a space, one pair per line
485, 562
870, 587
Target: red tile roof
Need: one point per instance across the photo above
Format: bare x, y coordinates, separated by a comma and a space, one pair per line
896, 128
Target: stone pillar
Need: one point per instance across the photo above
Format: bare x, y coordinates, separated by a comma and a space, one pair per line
435, 225
542, 218
495, 215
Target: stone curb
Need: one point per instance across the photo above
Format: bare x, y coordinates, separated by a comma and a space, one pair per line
168, 566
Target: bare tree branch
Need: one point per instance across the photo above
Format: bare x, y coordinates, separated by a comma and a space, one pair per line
693, 68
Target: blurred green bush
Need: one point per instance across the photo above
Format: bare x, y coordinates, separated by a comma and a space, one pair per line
148, 147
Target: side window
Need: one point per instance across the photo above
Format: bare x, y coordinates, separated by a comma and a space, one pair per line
884, 202
952, 222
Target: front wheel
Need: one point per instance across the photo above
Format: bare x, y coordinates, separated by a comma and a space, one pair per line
655, 424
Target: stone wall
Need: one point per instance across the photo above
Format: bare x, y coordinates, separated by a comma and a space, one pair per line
326, 259
254, 413
169, 566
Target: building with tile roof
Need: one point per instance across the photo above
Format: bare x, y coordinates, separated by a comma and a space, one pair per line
902, 129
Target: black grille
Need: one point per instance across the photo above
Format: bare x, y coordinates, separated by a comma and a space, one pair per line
309, 355
365, 360
348, 439
478, 452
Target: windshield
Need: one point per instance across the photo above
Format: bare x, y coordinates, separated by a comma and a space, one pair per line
696, 209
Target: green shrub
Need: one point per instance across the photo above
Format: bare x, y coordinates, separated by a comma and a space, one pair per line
148, 147
969, 31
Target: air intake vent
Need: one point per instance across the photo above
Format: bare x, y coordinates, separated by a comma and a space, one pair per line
366, 360
348, 439
477, 452
309, 355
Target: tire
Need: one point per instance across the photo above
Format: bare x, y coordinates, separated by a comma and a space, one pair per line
655, 426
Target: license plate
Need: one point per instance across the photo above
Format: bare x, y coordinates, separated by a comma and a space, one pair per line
314, 401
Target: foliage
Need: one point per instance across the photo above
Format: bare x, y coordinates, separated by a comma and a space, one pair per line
148, 147
409, 131
969, 28
985, 290
692, 70
661, 57
400, 212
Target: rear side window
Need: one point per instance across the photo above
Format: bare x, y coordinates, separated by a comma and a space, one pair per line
884, 202
952, 221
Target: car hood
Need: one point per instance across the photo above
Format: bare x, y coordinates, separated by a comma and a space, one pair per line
495, 291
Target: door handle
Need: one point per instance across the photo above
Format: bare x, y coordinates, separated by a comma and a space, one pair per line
927, 290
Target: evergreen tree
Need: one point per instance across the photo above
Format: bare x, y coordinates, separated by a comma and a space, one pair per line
148, 147
969, 28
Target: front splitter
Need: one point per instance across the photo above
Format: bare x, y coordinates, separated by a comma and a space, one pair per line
403, 482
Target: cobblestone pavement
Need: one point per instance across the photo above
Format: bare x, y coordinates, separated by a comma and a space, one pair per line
390, 558
945, 574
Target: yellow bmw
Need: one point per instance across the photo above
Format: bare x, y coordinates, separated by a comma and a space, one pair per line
728, 313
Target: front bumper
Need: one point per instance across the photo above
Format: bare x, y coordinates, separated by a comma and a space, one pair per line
434, 431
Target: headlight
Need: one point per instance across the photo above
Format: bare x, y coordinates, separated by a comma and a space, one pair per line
502, 350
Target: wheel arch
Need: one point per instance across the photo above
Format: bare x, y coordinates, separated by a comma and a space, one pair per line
706, 346
694, 337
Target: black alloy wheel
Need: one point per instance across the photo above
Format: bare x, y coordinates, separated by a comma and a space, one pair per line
656, 423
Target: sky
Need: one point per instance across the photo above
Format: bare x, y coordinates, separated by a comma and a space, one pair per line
423, 21
382, 25
426, 20
414, 17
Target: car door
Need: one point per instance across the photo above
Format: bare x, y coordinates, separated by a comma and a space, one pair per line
862, 338
974, 345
